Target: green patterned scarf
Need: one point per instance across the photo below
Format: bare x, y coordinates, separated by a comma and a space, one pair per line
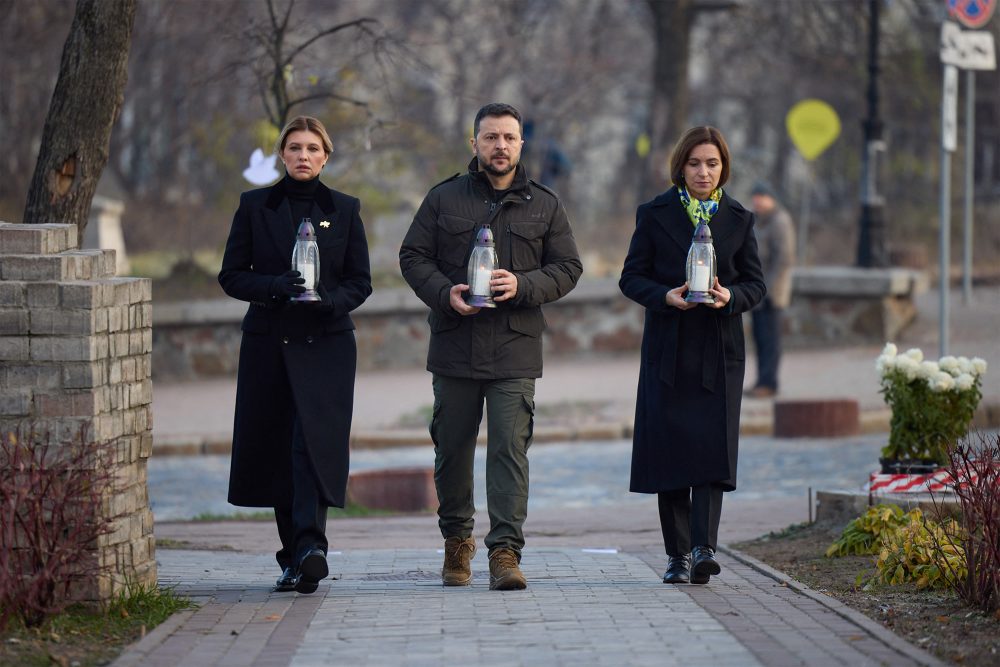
698, 210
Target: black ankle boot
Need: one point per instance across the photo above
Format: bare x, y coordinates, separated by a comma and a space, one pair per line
703, 564
677, 570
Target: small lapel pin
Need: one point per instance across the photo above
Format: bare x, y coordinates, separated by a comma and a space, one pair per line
324, 224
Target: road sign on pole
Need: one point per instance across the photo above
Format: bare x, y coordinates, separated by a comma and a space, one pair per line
968, 49
971, 13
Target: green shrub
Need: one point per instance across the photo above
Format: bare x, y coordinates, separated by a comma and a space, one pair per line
924, 552
865, 534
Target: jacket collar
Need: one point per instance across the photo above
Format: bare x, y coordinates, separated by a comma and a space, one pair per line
670, 213
479, 177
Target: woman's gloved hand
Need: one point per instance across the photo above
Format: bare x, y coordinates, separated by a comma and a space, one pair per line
287, 285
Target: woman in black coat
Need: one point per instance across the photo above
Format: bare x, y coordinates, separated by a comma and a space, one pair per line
691, 380
295, 387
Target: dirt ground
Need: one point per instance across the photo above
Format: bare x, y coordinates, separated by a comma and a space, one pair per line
937, 621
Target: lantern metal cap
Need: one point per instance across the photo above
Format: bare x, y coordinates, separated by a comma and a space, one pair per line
306, 231
702, 234
485, 237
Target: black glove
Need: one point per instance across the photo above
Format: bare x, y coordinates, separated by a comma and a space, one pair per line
287, 285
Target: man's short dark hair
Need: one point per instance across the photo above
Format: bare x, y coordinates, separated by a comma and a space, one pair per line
497, 109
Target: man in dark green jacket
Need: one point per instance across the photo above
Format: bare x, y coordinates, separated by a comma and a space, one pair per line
487, 354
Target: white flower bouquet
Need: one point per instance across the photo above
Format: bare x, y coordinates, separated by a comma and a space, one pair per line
932, 402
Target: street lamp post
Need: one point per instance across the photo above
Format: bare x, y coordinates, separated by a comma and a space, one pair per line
871, 238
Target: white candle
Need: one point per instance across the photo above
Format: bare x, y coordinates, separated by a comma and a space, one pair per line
699, 278
481, 283
309, 274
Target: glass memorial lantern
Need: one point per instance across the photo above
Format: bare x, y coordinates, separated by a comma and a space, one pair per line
305, 260
482, 263
701, 266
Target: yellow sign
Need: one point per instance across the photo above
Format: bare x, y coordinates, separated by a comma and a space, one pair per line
813, 125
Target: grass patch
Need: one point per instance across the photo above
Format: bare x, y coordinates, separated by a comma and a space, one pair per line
352, 510
84, 636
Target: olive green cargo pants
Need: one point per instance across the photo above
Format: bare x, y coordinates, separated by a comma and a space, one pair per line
458, 410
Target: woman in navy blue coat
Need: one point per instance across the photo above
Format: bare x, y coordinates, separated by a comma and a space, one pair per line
687, 414
295, 387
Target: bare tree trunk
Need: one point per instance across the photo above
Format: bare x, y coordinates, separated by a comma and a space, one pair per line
668, 108
87, 98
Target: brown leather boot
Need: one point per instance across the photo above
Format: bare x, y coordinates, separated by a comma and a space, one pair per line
458, 553
505, 575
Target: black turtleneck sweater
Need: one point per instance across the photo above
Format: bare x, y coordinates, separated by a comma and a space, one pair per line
300, 197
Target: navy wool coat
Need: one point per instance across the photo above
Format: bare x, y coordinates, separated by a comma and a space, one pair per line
691, 379
295, 359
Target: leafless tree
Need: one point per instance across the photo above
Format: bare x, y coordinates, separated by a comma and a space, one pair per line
279, 54
85, 104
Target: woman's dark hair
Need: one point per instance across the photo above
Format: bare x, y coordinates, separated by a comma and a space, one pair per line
304, 124
497, 109
697, 136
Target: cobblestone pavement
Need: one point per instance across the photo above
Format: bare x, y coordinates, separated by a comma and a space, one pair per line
582, 607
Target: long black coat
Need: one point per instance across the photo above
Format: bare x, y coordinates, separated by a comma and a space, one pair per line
295, 359
691, 380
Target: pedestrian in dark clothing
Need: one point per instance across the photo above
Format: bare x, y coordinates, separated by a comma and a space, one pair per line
776, 245
487, 354
295, 387
691, 379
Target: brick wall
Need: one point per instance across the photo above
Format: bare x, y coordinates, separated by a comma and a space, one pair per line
75, 353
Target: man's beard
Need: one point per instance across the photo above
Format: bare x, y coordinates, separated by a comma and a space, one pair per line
490, 169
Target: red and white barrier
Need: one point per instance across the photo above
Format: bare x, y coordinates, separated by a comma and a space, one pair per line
937, 481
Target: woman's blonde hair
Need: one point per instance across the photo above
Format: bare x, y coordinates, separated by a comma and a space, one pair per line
304, 124
697, 136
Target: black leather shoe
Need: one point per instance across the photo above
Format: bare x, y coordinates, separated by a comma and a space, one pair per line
312, 568
677, 570
703, 564
286, 582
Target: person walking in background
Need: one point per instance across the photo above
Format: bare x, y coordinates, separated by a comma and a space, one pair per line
776, 247
687, 415
295, 385
490, 355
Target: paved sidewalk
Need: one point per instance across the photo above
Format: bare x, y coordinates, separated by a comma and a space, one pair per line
582, 607
594, 598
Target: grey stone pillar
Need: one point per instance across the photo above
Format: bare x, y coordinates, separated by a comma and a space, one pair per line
75, 352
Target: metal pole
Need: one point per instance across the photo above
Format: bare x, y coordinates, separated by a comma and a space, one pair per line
970, 172
945, 246
802, 236
872, 250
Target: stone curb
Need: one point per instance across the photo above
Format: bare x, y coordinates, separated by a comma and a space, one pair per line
875, 629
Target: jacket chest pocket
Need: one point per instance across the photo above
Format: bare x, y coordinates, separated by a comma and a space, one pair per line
526, 245
453, 239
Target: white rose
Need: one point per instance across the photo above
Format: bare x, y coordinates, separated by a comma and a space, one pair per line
885, 365
909, 367
889, 350
949, 364
964, 382
964, 365
929, 370
979, 365
942, 382
915, 354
